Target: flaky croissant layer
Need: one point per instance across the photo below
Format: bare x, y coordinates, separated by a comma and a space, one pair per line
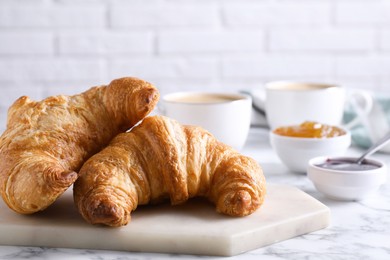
46, 142
162, 159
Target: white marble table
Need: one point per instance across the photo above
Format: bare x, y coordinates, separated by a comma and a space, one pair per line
359, 230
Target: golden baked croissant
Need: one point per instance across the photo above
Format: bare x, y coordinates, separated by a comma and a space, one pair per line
162, 159
45, 143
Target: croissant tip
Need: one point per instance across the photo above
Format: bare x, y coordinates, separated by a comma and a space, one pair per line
147, 100
71, 176
59, 179
240, 204
106, 213
151, 95
65, 179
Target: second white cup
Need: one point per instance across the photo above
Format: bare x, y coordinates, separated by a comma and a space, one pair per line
226, 116
290, 103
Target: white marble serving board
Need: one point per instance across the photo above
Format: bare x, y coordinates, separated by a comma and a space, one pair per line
192, 228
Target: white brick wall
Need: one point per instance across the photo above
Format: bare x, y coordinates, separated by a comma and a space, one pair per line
50, 47
16, 43
276, 13
164, 15
105, 43
276, 66
363, 13
210, 42
52, 15
318, 39
384, 40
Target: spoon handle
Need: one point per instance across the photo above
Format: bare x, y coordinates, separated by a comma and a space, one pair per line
378, 145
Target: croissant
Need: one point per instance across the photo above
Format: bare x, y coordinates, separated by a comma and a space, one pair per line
161, 159
46, 142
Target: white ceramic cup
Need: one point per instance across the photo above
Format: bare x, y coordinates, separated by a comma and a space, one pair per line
291, 103
226, 115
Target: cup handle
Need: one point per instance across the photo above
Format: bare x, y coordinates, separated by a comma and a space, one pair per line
362, 103
258, 102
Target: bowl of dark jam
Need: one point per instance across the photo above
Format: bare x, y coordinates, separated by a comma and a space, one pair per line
342, 178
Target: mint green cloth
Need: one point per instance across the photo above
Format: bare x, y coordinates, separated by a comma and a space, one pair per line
359, 133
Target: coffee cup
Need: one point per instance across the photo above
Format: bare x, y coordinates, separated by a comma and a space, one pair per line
225, 115
291, 103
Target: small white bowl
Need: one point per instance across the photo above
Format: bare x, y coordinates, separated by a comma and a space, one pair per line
346, 184
295, 152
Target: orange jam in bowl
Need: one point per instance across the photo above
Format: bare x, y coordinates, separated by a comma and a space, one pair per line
310, 129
